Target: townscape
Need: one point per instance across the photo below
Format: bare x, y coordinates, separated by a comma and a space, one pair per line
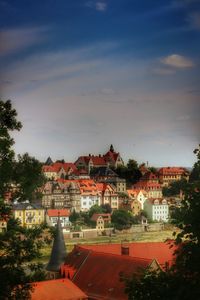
95, 196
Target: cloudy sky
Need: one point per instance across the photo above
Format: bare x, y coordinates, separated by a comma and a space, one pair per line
84, 74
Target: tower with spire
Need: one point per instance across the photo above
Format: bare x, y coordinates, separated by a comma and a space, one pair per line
58, 253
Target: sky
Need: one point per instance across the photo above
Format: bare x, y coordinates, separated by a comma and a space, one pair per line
86, 74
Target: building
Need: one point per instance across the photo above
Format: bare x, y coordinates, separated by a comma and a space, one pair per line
58, 170
29, 214
150, 184
62, 194
58, 289
138, 195
113, 158
91, 161
90, 195
101, 221
109, 195
53, 214
157, 209
102, 174
162, 252
168, 175
99, 274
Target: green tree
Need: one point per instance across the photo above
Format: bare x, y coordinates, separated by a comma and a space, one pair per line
174, 188
8, 123
28, 175
122, 219
106, 208
130, 172
95, 209
182, 280
18, 248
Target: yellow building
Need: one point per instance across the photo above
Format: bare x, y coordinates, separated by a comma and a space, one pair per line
29, 214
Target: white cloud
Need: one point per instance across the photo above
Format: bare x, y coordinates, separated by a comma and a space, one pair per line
16, 39
101, 6
177, 61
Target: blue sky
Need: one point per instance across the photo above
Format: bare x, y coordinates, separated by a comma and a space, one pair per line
85, 74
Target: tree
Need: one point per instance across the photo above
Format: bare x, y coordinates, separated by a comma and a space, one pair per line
95, 209
28, 175
182, 280
106, 208
18, 248
8, 123
122, 219
130, 172
174, 188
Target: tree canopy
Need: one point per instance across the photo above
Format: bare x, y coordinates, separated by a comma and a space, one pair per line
122, 219
8, 123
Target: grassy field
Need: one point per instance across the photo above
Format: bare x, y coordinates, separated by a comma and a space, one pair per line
153, 236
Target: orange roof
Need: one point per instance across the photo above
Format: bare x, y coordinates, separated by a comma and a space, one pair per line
172, 170
104, 216
56, 212
151, 250
98, 273
59, 289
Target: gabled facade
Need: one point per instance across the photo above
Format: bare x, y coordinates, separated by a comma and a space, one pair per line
62, 194
109, 195
28, 214
101, 221
157, 209
90, 195
53, 214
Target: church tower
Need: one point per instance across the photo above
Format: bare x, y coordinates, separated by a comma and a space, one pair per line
58, 253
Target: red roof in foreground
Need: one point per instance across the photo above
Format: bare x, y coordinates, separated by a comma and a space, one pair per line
59, 289
98, 274
151, 250
56, 212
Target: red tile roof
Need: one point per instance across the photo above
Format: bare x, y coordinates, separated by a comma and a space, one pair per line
56, 212
172, 170
106, 217
98, 273
59, 289
151, 250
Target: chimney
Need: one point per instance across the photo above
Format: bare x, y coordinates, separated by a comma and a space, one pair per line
125, 248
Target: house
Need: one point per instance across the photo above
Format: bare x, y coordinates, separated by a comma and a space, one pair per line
58, 170
138, 195
99, 274
150, 184
52, 217
171, 174
91, 161
119, 183
102, 174
162, 252
113, 158
90, 195
58, 289
29, 214
108, 195
62, 194
101, 221
157, 209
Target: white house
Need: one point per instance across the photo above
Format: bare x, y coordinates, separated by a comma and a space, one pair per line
157, 209
52, 217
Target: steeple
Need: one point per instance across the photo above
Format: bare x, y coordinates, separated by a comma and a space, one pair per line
58, 252
111, 148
